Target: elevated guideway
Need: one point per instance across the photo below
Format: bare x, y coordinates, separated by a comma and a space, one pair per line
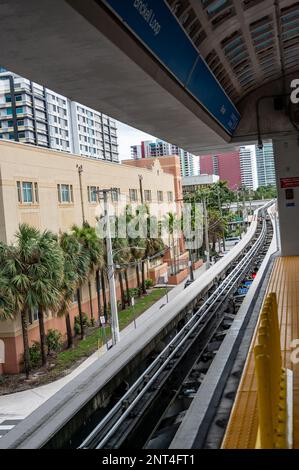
204, 424
55, 423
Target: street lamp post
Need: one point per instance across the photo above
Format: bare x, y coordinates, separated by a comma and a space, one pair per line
221, 215
206, 233
80, 171
110, 266
141, 188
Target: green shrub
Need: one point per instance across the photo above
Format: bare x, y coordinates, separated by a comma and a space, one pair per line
148, 283
34, 354
77, 326
54, 340
133, 292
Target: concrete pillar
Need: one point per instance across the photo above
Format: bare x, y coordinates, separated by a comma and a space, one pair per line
286, 153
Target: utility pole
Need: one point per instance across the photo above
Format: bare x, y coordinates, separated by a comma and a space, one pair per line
190, 266
111, 276
244, 209
206, 233
140, 187
250, 201
221, 215
80, 171
238, 215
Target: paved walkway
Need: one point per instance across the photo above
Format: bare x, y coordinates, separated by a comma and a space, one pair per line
16, 406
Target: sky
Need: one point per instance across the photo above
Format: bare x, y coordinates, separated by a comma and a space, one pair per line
128, 136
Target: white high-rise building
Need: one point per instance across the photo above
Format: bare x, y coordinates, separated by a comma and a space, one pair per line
248, 168
265, 165
33, 114
159, 148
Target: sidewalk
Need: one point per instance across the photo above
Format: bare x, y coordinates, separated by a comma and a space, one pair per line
16, 406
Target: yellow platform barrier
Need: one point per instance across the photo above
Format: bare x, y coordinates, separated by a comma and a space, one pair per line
271, 380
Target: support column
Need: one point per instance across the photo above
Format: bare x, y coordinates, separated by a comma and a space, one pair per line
286, 153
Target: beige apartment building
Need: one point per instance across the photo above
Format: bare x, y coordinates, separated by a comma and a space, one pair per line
54, 190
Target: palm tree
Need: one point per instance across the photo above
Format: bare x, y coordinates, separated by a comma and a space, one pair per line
7, 304
24, 268
136, 242
217, 227
79, 261
71, 249
121, 257
48, 281
170, 222
93, 245
153, 244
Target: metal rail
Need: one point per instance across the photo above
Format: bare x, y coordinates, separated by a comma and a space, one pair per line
124, 408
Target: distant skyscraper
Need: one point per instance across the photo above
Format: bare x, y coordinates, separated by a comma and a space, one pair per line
265, 165
33, 114
248, 168
225, 165
159, 148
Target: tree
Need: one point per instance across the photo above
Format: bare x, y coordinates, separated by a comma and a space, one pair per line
121, 257
265, 192
171, 224
83, 270
217, 226
7, 304
48, 281
93, 245
71, 249
33, 282
154, 245
136, 240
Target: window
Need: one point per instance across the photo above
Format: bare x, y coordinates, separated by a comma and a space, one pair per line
33, 315
21, 135
20, 122
147, 195
19, 110
27, 192
160, 196
18, 97
26, 195
170, 196
8, 99
10, 123
133, 195
65, 193
115, 195
9, 111
92, 194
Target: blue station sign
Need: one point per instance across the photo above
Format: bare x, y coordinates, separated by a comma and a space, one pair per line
153, 23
